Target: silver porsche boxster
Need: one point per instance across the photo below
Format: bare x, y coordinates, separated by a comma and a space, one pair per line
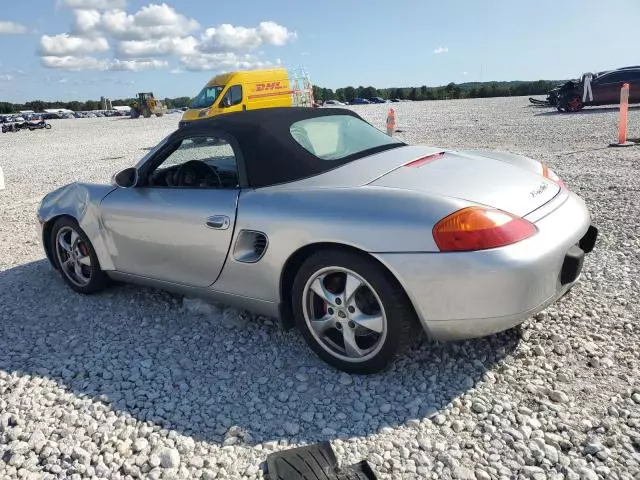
318, 218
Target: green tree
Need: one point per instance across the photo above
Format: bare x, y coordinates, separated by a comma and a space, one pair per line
36, 105
452, 90
317, 93
75, 106
327, 94
414, 94
369, 92
349, 93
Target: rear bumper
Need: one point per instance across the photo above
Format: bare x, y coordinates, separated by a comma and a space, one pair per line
473, 294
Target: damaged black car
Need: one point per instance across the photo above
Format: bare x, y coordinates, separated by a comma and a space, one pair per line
593, 89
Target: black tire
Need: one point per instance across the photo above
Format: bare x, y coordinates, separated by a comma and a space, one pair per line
575, 104
98, 279
402, 326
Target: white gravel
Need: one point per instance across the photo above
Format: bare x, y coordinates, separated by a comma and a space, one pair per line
133, 383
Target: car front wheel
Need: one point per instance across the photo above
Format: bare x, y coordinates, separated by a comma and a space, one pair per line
76, 258
351, 312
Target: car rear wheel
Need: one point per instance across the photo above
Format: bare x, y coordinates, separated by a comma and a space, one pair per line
76, 258
351, 312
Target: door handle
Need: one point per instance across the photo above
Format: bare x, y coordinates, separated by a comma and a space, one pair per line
219, 222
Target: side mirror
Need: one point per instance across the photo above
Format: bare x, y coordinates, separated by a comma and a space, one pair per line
126, 178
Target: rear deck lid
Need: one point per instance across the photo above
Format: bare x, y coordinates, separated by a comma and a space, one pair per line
474, 178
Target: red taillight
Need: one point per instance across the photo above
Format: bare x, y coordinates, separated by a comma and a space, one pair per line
480, 228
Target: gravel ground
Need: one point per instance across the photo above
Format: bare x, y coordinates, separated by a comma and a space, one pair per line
137, 383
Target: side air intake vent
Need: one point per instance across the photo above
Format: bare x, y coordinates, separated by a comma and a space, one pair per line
250, 246
259, 245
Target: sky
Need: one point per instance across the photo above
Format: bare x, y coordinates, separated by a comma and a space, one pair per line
83, 49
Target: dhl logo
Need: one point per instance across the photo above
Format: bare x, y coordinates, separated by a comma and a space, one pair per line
269, 86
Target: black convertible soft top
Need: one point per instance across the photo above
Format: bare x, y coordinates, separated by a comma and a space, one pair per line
270, 153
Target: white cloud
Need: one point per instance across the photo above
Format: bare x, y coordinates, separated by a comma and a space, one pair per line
221, 61
155, 48
441, 50
9, 28
464, 73
5, 77
67, 45
118, 80
273, 34
176, 71
227, 37
151, 21
136, 65
72, 63
87, 22
154, 31
95, 4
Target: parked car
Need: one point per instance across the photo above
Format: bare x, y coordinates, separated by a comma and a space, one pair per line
360, 101
378, 100
319, 218
605, 87
332, 103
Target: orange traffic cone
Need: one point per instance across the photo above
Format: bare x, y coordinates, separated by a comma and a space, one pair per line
622, 125
391, 122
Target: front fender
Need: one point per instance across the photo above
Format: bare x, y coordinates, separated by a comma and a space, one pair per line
80, 201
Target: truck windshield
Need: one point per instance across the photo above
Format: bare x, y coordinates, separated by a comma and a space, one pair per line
206, 97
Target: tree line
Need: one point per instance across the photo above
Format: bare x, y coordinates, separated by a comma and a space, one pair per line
346, 94
450, 91
39, 105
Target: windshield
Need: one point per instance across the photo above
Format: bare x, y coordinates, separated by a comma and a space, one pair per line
335, 137
206, 97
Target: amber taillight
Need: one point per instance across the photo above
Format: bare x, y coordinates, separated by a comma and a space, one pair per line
480, 228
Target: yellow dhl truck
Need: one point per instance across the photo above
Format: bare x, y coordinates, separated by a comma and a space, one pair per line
249, 90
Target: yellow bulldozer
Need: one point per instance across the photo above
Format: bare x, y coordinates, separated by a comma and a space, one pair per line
146, 105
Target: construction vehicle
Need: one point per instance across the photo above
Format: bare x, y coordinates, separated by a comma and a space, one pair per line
146, 105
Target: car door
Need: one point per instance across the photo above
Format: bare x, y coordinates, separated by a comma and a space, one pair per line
175, 231
634, 86
606, 89
232, 101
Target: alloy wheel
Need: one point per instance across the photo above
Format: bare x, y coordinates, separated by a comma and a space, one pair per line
344, 314
73, 256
